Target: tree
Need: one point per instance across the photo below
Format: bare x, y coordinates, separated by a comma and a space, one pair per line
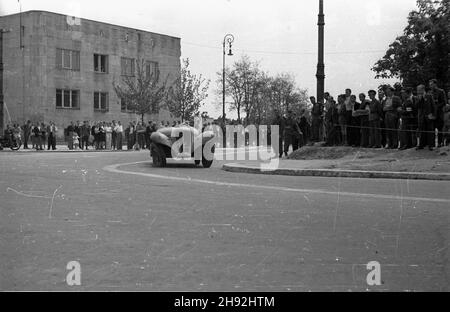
142, 93
239, 80
257, 94
286, 96
187, 93
423, 51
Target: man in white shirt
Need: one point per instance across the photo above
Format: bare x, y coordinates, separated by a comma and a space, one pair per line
119, 131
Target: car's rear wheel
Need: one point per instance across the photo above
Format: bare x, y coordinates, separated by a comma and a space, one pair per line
158, 156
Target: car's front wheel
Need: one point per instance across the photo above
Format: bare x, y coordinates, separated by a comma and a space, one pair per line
158, 156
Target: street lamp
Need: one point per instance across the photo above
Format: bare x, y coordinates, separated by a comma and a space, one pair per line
229, 38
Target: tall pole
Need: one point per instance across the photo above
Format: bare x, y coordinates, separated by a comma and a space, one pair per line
320, 65
227, 39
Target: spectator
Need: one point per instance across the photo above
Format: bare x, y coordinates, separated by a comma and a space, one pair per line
425, 109
85, 133
408, 116
131, 136
439, 102
304, 128
376, 111
37, 137
354, 123
51, 132
26, 133
119, 132
140, 131
363, 135
77, 129
94, 133
381, 98
332, 121
446, 128
342, 113
70, 130
291, 133
76, 140
108, 135
316, 119
391, 105
102, 136
113, 135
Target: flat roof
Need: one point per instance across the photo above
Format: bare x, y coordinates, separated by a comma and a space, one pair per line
86, 19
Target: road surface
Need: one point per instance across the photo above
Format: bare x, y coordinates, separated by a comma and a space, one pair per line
134, 227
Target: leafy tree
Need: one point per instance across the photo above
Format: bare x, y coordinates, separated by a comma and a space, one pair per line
257, 94
239, 80
142, 93
187, 93
423, 51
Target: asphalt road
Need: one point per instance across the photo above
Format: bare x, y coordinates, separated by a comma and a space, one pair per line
181, 228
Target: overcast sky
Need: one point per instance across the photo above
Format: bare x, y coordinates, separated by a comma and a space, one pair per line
281, 34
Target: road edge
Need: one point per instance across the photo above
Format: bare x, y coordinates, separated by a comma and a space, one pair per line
337, 173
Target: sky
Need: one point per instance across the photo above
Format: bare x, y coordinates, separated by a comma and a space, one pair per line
281, 35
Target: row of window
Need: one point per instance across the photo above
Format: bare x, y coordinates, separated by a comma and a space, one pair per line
70, 59
70, 99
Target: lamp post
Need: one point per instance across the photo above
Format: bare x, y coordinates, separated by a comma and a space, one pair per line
229, 38
320, 65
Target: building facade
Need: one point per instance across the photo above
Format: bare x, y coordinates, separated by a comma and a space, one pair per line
62, 68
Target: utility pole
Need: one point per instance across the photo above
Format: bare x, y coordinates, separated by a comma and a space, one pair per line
320, 65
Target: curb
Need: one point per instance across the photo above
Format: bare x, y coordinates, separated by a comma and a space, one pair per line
336, 173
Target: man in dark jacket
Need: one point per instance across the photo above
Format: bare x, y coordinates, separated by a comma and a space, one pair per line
26, 133
77, 130
85, 133
425, 110
390, 107
332, 122
316, 119
51, 136
291, 133
280, 122
375, 116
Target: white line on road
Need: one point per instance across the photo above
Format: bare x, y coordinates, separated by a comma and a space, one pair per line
114, 169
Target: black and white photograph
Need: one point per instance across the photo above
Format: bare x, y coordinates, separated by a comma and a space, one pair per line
236, 148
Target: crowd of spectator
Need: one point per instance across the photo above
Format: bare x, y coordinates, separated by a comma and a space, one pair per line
88, 135
410, 118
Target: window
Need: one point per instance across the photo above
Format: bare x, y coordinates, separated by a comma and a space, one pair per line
127, 66
101, 101
67, 98
68, 59
151, 68
100, 63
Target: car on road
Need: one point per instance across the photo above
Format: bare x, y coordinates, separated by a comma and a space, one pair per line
163, 140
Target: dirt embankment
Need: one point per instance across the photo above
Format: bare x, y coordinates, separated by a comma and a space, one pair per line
378, 159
